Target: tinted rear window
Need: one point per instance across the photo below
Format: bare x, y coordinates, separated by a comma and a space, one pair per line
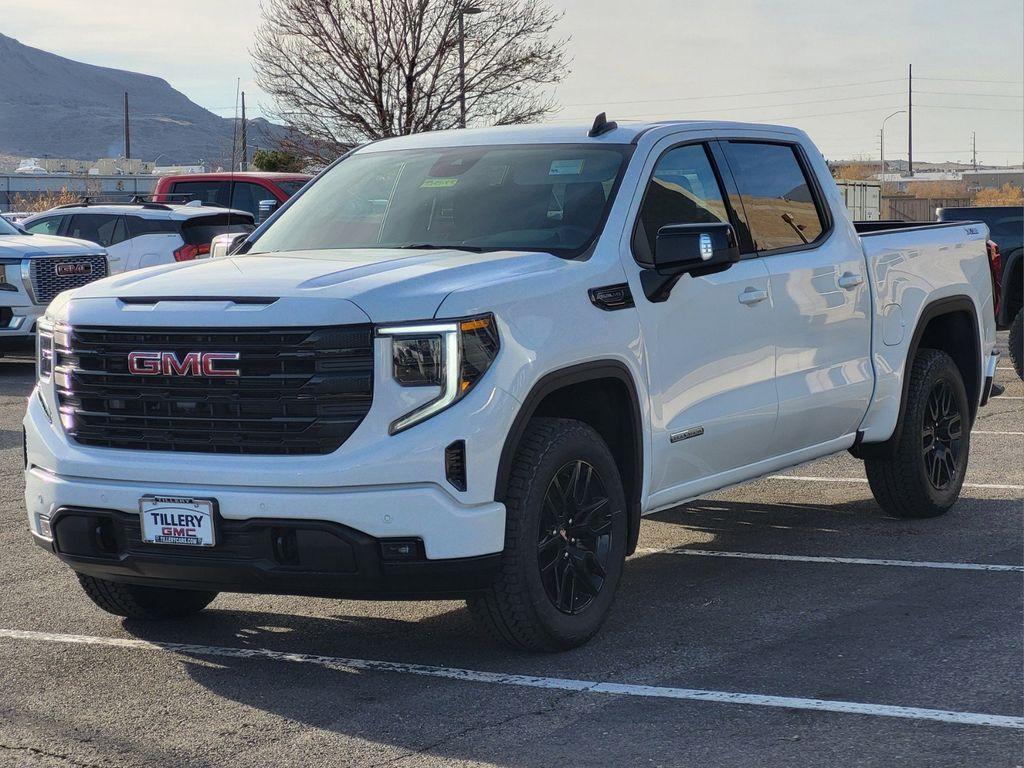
202, 229
138, 226
290, 187
777, 197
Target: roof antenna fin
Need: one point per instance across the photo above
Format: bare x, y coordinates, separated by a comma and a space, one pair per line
601, 125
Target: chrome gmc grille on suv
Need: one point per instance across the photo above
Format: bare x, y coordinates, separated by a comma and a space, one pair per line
299, 390
46, 283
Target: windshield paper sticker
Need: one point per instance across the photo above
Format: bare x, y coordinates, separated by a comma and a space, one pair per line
566, 168
439, 183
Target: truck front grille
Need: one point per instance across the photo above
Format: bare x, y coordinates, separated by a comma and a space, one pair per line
48, 280
299, 390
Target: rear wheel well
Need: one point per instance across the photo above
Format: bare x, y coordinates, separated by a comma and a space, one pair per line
955, 334
605, 399
949, 325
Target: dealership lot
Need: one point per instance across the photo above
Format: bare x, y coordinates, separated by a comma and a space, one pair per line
783, 622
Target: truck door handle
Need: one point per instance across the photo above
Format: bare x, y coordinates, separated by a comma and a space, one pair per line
850, 280
752, 296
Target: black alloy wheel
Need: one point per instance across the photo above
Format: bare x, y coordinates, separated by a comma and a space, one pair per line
942, 433
574, 542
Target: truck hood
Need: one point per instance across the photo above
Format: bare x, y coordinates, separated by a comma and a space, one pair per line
21, 246
389, 285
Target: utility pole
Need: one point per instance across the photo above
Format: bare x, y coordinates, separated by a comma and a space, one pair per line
910, 121
245, 145
463, 11
127, 131
974, 150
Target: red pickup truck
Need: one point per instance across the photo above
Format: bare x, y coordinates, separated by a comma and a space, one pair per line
242, 191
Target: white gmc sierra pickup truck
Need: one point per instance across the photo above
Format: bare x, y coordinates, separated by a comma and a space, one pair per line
34, 269
464, 364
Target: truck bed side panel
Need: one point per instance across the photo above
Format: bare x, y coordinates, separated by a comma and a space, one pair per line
910, 270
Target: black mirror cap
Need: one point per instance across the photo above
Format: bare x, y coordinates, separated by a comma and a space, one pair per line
697, 249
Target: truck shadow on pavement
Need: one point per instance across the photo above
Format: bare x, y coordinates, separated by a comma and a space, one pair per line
714, 623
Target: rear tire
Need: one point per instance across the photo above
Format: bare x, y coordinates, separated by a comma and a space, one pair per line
924, 474
134, 601
1017, 343
565, 540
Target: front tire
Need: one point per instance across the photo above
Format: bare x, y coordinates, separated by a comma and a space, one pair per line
565, 540
1016, 343
135, 601
924, 474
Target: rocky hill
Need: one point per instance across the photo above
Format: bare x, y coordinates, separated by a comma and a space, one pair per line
50, 105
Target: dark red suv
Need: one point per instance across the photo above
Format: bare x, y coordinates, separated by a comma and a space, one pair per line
241, 191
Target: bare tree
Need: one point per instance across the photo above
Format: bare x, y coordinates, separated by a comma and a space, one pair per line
345, 71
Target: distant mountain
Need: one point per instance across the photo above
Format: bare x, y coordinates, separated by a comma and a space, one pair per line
54, 106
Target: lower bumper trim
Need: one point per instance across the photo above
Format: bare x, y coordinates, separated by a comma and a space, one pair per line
263, 556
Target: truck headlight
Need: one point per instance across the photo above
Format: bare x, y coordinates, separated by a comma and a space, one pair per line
452, 355
44, 349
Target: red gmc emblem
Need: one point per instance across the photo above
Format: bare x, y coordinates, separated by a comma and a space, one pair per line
69, 269
191, 364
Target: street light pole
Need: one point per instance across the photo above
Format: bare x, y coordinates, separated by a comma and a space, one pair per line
882, 138
463, 10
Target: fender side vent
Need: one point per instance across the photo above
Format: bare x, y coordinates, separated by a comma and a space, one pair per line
455, 464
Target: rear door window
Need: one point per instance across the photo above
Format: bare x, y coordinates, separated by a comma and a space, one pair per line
778, 199
49, 225
207, 192
246, 197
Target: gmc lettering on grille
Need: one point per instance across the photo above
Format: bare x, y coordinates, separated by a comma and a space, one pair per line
190, 364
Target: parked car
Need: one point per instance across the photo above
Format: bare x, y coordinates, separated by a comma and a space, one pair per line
34, 269
142, 234
464, 364
1006, 228
16, 217
243, 191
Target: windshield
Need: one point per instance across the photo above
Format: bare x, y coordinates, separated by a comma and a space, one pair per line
541, 197
6, 228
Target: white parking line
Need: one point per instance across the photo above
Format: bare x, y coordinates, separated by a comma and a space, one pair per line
993, 432
839, 560
528, 681
813, 479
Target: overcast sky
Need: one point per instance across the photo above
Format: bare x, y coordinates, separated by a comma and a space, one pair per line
834, 68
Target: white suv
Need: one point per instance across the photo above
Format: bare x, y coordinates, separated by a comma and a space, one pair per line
141, 233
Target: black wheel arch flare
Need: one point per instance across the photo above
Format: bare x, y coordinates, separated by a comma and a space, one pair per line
560, 379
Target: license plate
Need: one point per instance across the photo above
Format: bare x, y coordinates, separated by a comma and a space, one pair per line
177, 520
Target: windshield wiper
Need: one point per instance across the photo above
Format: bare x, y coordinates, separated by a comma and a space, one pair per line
438, 247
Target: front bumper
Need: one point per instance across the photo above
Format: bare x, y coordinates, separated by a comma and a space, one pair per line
446, 528
266, 556
18, 326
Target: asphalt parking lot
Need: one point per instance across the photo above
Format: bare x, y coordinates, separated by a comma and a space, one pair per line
785, 622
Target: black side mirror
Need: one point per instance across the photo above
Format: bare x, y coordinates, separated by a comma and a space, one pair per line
694, 249
700, 248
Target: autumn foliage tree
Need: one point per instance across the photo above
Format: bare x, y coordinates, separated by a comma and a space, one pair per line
341, 72
1008, 194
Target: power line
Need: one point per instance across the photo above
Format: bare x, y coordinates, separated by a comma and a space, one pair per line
964, 80
773, 106
732, 95
661, 115
972, 109
965, 93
